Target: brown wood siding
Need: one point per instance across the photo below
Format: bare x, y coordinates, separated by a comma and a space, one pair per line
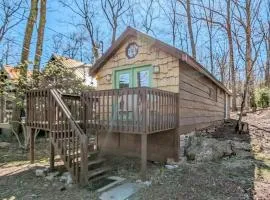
201, 101
167, 79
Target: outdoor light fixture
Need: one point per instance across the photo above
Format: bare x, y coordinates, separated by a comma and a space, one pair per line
156, 69
108, 77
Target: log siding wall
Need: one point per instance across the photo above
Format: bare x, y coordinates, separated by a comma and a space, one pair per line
201, 102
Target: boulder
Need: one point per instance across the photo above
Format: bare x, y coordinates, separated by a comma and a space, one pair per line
66, 178
51, 176
4, 145
41, 172
244, 146
207, 149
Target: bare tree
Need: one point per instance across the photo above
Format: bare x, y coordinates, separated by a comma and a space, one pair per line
265, 29
209, 16
170, 10
8, 17
223, 19
187, 6
246, 18
113, 10
39, 45
74, 44
221, 58
85, 9
149, 12
28, 36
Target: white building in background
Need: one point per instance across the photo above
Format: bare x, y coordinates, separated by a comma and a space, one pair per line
81, 69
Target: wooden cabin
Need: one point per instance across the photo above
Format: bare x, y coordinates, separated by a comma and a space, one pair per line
148, 94
138, 60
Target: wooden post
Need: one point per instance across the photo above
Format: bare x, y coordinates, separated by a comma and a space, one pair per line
143, 155
32, 144
84, 160
51, 154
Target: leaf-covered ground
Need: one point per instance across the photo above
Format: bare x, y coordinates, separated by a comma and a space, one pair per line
230, 178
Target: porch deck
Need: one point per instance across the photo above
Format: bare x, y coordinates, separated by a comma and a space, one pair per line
74, 119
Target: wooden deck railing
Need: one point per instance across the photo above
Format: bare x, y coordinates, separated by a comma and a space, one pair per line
37, 109
130, 110
73, 103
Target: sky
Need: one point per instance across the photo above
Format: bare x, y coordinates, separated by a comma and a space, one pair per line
60, 20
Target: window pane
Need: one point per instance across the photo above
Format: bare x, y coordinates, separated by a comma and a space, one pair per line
143, 78
124, 80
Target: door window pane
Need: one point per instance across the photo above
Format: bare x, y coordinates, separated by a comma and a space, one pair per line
124, 80
143, 78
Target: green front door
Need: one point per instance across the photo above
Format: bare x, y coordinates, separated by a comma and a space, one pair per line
129, 78
133, 77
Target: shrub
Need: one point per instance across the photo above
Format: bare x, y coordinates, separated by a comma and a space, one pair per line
262, 97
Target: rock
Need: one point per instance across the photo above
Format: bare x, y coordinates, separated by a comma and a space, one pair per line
4, 145
66, 178
147, 183
245, 146
171, 166
62, 188
208, 149
41, 172
211, 130
51, 176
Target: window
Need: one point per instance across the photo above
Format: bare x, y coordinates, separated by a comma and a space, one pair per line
124, 80
213, 94
143, 78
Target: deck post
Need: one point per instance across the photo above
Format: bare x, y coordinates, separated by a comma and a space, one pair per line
143, 156
32, 143
51, 155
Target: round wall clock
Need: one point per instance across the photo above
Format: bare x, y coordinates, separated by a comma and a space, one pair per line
132, 50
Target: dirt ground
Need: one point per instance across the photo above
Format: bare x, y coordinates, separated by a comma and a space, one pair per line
229, 178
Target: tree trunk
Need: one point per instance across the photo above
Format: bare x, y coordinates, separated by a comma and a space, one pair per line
28, 36
39, 45
231, 56
190, 30
267, 67
114, 33
249, 64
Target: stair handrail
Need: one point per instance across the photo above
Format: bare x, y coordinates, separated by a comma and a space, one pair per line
77, 130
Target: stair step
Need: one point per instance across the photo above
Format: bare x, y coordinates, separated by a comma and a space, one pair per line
91, 164
92, 155
97, 178
97, 172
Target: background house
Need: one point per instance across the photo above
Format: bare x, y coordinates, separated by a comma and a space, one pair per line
80, 69
10, 76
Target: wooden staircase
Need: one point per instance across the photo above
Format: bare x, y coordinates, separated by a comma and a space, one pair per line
78, 152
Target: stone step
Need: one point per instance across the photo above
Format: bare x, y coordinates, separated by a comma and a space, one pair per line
94, 163
97, 172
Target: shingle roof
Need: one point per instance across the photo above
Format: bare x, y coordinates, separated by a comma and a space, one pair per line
13, 73
78, 66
